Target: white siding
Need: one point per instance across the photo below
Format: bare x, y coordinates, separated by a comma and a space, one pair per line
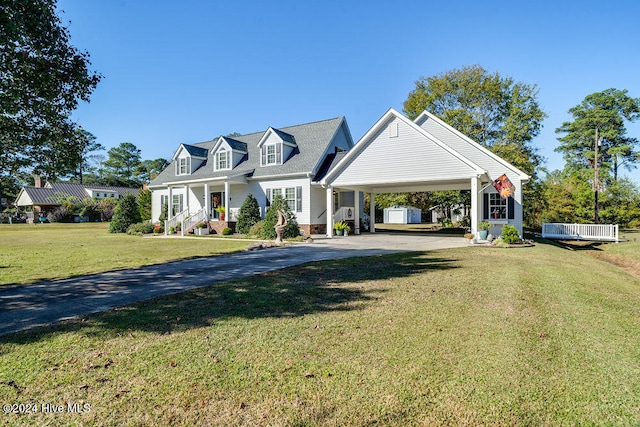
409, 157
318, 201
156, 207
303, 217
471, 151
341, 140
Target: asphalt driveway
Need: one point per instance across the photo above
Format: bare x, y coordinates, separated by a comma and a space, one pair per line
26, 306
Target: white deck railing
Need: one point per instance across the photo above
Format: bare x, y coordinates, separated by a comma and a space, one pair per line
177, 219
191, 221
604, 232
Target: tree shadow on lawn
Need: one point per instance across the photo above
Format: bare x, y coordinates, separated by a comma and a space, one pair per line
321, 286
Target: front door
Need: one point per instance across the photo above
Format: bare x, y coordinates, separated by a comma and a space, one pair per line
217, 201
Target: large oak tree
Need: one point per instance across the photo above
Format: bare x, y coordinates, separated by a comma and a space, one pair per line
42, 79
498, 112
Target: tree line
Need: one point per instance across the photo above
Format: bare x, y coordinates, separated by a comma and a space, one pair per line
505, 116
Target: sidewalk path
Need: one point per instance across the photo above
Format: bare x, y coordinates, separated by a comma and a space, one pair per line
25, 306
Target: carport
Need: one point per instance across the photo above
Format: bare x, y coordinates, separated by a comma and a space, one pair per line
398, 155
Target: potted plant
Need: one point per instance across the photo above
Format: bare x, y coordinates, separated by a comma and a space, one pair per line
202, 229
484, 228
341, 227
221, 211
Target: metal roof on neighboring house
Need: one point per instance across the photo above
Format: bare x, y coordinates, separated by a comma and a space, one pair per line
311, 139
51, 194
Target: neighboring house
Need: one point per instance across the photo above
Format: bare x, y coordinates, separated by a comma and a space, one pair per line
318, 170
286, 161
44, 198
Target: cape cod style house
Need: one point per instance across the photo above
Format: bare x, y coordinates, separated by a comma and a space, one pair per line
318, 169
221, 173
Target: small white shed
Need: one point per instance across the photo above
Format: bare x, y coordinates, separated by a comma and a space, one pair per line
402, 215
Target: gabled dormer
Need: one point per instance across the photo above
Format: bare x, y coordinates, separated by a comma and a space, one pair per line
276, 147
227, 153
188, 158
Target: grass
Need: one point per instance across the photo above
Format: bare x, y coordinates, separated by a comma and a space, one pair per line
31, 252
468, 336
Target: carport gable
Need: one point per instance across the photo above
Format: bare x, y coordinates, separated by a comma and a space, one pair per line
397, 153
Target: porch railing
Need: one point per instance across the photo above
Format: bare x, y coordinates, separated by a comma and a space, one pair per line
191, 221
174, 221
345, 213
603, 232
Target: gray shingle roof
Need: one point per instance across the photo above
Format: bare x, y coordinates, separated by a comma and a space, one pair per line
51, 193
312, 140
196, 151
235, 144
285, 136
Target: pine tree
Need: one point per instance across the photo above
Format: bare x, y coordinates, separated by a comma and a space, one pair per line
249, 215
126, 213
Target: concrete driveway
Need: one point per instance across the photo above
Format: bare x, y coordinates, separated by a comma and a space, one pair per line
26, 306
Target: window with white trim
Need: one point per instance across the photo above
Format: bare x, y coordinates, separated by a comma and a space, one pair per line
223, 159
183, 166
291, 195
497, 206
176, 205
271, 154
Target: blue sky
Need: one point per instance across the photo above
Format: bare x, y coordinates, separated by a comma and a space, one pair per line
185, 72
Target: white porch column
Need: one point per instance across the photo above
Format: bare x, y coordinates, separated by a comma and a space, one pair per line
356, 203
372, 212
207, 200
475, 205
227, 199
329, 212
187, 190
170, 203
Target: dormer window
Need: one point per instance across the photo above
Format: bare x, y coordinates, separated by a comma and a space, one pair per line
271, 154
223, 159
183, 166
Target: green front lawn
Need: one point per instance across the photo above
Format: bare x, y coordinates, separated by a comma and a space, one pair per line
468, 336
31, 252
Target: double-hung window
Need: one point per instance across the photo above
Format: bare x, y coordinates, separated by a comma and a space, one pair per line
176, 204
292, 196
271, 154
497, 207
223, 160
183, 166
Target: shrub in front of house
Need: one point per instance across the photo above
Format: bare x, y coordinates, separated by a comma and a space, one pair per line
60, 214
291, 230
141, 228
126, 213
510, 234
255, 231
144, 204
107, 208
249, 215
227, 231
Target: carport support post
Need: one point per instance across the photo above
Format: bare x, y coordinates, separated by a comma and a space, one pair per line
475, 205
356, 207
372, 212
329, 212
